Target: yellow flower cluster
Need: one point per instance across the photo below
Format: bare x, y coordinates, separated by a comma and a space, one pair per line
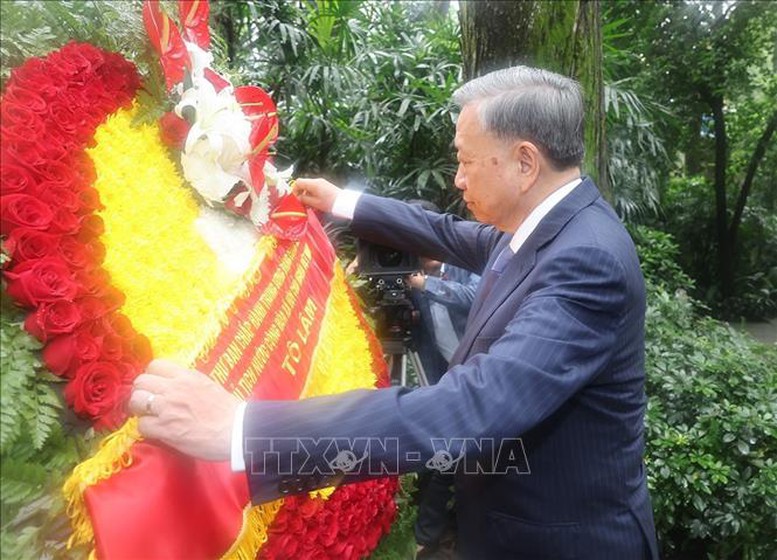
342, 360
174, 287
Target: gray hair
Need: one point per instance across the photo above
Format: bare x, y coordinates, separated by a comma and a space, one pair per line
532, 104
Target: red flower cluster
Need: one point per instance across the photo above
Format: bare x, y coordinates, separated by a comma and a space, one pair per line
50, 111
347, 525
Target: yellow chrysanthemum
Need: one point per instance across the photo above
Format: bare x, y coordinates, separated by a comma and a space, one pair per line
174, 286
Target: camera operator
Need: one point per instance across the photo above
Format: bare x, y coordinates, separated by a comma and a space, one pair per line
443, 293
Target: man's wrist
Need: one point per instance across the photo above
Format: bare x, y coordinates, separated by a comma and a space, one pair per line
344, 205
237, 459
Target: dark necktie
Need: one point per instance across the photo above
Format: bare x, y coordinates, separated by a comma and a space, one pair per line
496, 270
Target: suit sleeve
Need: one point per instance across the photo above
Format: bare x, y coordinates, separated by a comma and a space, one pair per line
445, 237
561, 338
454, 295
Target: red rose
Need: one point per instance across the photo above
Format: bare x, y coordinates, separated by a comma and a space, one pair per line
75, 253
29, 74
19, 117
36, 155
89, 199
91, 308
96, 283
135, 347
15, 178
69, 119
49, 319
139, 352
112, 348
71, 65
63, 355
92, 226
40, 76
23, 210
173, 130
97, 390
92, 282
60, 172
22, 96
58, 195
25, 244
33, 282
84, 55
65, 222
83, 167
120, 325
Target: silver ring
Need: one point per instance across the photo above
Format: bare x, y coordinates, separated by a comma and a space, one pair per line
149, 402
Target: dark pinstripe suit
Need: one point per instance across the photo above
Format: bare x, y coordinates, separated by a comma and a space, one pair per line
554, 354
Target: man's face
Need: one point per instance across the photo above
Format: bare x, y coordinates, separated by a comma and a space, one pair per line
487, 173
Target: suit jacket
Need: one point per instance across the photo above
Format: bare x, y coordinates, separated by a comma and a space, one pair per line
541, 412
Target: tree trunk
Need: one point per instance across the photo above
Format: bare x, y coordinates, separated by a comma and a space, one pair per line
752, 167
694, 149
494, 34
725, 250
587, 68
563, 36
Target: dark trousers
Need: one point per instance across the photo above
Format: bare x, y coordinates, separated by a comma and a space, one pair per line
434, 516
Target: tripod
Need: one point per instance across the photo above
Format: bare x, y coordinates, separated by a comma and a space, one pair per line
397, 352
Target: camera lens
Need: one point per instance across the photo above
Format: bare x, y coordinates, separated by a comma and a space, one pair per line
388, 258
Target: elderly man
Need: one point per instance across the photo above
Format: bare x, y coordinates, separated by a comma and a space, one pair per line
541, 412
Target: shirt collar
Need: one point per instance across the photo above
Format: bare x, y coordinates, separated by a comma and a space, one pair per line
535, 217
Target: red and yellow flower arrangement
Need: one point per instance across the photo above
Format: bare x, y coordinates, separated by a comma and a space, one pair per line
117, 262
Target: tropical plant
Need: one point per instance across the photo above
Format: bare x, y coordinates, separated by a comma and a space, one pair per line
362, 89
37, 441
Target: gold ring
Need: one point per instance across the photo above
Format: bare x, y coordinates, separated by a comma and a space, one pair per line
149, 402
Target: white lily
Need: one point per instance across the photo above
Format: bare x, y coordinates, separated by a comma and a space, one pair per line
217, 146
277, 178
200, 59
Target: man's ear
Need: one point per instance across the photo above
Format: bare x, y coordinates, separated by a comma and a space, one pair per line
528, 159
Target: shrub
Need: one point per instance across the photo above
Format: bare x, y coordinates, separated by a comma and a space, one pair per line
711, 425
658, 257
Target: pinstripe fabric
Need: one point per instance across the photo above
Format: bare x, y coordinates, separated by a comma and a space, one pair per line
553, 355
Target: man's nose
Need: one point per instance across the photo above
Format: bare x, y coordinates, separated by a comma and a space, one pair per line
459, 180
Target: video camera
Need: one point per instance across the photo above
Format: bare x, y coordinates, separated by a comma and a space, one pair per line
395, 315
385, 270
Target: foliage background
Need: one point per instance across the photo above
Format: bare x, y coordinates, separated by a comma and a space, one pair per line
363, 89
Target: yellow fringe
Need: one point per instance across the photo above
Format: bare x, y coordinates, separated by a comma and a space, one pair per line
253, 534
322, 493
113, 456
342, 359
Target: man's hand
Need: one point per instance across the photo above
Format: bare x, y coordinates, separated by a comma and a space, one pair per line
185, 410
417, 280
316, 193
